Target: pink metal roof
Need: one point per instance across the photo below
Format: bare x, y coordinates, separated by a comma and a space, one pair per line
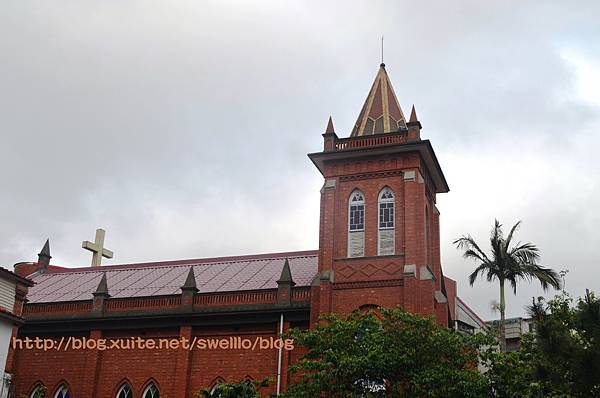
223, 274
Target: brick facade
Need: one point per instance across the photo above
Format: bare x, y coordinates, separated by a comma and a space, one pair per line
411, 278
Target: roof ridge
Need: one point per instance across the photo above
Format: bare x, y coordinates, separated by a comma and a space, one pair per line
188, 262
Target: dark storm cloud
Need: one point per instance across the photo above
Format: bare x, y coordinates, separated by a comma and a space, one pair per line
182, 127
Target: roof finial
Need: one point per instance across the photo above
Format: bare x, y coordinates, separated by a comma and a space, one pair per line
329, 128
190, 281
45, 250
286, 274
414, 126
44, 255
102, 288
413, 115
382, 64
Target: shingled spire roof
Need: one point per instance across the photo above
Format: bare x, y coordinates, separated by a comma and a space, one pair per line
329, 129
46, 249
190, 281
381, 112
286, 274
102, 288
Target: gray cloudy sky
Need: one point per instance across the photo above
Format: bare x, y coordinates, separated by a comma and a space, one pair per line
182, 127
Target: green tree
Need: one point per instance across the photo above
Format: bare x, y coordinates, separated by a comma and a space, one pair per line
507, 264
560, 359
243, 389
397, 354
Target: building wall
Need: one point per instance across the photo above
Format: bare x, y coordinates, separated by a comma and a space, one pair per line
410, 278
416, 237
7, 294
6, 328
177, 373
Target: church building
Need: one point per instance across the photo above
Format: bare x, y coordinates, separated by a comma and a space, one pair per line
379, 246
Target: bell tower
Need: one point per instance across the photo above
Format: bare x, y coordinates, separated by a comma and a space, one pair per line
379, 226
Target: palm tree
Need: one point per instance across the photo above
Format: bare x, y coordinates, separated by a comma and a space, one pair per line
506, 265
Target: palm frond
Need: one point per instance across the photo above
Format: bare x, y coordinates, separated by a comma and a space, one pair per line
512, 231
496, 240
526, 253
468, 243
481, 269
473, 255
546, 276
537, 309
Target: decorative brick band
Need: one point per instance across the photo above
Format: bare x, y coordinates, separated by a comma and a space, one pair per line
301, 294
141, 303
67, 307
367, 284
366, 176
161, 303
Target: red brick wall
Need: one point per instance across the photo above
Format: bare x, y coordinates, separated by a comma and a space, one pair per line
49, 367
177, 373
416, 242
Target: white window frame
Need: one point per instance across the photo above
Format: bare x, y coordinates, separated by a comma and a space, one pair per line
380, 200
359, 202
147, 389
38, 389
63, 388
122, 388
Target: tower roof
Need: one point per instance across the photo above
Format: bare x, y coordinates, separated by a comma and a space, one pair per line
329, 129
46, 249
381, 112
286, 274
102, 286
190, 281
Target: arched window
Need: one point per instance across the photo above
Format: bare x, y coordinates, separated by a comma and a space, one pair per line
62, 391
151, 391
39, 391
386, 236
125, 391
356, 224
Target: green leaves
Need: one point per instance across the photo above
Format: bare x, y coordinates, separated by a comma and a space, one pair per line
243, 389
562, 358
398, 354
505, 262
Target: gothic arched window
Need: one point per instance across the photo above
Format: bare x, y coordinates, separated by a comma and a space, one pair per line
386, 235
125, 391
356, 224
151, 391
63, 391
38, 392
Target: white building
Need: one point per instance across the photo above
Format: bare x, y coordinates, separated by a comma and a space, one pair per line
11, 301
467, 320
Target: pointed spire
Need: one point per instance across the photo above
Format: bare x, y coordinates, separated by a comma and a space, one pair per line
46, 249
413, 115
190, 281
381, 112
44, 255
414, 125
286, 274
102, 288
329, 129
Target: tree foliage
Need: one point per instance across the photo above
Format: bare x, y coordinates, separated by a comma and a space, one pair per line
397, 354
507, 263
562, 357
243, 389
